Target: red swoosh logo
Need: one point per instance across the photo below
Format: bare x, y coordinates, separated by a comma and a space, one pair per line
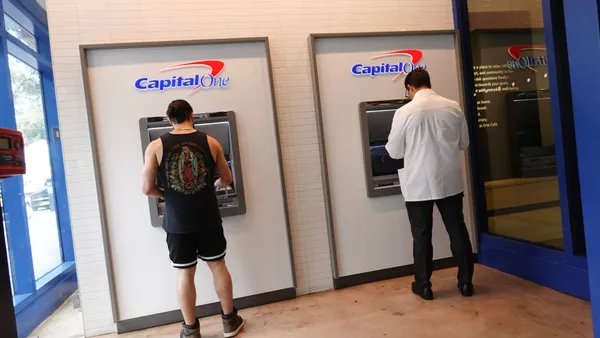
216, 67
414, 54
515, 52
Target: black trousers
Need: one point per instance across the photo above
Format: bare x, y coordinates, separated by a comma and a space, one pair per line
420, 215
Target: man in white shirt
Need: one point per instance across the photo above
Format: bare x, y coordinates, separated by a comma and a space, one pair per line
429, 133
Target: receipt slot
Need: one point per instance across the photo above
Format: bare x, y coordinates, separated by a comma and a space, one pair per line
381, 171
221, 126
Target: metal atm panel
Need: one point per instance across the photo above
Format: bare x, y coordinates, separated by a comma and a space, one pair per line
221, 126
381, 171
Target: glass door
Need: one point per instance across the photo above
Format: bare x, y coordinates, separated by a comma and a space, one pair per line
36, 214
38, 183
525, 181
516, 135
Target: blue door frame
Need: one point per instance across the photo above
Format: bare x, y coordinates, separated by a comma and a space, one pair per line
567, 270
34, 300
582, 26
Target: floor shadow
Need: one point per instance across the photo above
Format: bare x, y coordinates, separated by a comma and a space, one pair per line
453, 292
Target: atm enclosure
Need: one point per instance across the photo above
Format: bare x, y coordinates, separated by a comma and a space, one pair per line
381, 171
260, 231
221, 126
353, 147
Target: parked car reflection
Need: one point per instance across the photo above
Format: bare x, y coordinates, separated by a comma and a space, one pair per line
42, 198
38, 185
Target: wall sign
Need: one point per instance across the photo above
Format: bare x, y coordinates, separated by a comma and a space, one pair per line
523, 62
398, 69
196, 82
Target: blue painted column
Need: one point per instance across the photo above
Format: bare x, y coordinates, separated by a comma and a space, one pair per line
583, 42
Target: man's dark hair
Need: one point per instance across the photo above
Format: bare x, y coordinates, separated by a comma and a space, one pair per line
179, 111
418, 78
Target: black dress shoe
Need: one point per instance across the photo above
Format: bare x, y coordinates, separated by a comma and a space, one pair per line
466, 289
424, 293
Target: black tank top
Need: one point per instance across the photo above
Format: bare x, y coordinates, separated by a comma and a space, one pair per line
187, 173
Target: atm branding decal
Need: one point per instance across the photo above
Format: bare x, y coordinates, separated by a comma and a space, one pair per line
195, 82
524, 62
398, 69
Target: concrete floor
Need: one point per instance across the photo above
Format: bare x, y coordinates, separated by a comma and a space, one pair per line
505, 306
66, 322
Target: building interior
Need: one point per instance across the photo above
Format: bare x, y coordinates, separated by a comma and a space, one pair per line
301, 96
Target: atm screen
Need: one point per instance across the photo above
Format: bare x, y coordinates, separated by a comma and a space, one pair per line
4, 143
381, 171
218, 130
380, 124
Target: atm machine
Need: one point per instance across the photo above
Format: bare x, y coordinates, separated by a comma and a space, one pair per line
12, 163
221, 126
381, 171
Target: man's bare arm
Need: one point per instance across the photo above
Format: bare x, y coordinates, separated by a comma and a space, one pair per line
225, 177
150, 171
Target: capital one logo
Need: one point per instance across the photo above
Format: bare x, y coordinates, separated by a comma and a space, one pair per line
526, 62
195, 82
396, 68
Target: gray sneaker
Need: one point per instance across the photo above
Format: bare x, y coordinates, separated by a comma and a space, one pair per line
232, 326
190, 333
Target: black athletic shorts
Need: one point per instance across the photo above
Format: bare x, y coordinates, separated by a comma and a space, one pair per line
186, 249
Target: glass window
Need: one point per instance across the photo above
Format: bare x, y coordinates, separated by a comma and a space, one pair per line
515, 133
38, 182
19, 32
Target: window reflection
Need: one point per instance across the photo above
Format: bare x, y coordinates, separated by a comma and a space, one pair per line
515, 134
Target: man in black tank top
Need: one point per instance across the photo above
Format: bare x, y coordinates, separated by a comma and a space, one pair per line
187, 162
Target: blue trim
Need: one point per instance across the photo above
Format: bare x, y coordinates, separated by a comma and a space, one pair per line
29, 14
49, 279
58, 170
555, 90
18, 299
582, 29
537, 264
27, 55
562, 119
461, 23
59, 286
34, 301
23, 301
